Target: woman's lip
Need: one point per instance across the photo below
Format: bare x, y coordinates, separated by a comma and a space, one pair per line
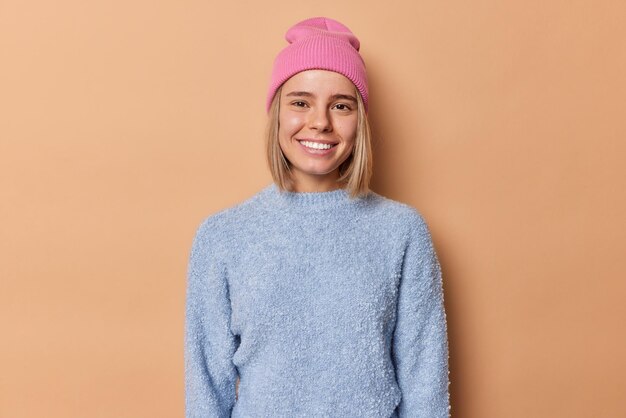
318, 141
315, 152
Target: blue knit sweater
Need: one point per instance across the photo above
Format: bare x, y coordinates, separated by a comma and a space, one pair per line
323, 305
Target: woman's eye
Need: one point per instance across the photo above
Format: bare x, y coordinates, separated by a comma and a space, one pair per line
299, 104
341, 106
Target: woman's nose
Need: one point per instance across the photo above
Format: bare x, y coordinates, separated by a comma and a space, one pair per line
320, 121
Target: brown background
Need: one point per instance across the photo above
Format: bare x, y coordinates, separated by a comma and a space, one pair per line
124, 123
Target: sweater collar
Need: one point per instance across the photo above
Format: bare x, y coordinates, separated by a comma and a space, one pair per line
309, 200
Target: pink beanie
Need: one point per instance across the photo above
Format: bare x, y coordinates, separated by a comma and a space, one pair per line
319, 43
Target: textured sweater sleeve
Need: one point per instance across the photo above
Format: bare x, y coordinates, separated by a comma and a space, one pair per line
210, 375
420, 344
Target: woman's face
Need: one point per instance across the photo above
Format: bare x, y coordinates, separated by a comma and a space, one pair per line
318, 108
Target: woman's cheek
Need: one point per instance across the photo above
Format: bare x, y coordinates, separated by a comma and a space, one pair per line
291, 123
348, 131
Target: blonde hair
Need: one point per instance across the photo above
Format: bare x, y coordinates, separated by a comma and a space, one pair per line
355, 172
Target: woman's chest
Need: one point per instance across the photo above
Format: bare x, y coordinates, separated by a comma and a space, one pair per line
313, 281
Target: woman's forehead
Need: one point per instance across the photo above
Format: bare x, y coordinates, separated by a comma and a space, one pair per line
318, 81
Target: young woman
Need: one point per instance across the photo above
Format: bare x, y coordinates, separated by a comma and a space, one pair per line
320, 297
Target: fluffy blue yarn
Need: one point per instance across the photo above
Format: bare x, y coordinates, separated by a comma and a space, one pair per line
322, 305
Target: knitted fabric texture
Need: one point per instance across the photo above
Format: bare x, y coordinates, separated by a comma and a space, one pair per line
319, 43
323, 305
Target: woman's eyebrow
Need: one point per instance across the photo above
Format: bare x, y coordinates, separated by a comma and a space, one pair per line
344, 97
300, 94
333, 97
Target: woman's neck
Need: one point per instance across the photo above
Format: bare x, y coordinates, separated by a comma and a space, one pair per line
317, 184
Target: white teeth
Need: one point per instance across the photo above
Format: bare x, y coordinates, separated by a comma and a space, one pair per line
315, 145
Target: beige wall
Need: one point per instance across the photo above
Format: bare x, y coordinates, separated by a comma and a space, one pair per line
124, 123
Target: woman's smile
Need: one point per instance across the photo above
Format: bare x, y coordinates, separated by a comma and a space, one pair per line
317, 148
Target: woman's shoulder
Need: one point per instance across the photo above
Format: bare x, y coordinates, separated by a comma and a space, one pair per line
397, 211
222, 221
405, 220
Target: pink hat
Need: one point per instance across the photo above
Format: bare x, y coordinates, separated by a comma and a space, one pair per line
319, 43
